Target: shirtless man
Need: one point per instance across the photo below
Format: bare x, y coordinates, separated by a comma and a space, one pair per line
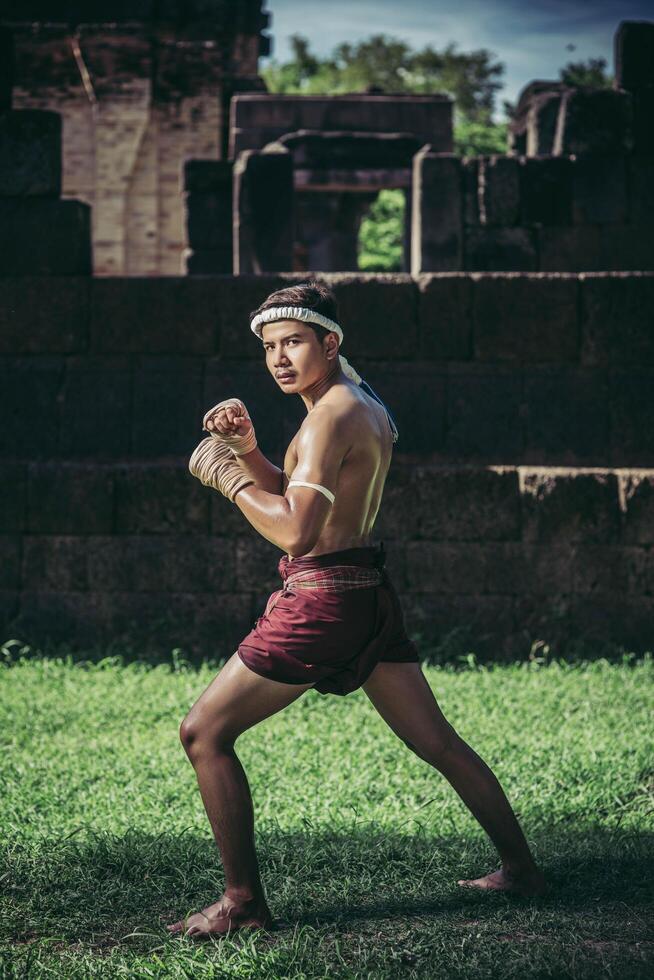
322, 505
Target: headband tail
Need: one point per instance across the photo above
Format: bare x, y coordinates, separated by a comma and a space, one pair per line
350, 372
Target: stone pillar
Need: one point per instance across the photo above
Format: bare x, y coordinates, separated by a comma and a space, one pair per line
263, 212
634, 72
39, 233
437, 218
208, 216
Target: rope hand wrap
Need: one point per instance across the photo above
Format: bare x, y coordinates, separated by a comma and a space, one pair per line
240, 445
214, 464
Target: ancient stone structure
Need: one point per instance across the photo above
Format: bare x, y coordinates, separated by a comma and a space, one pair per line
520, 502
519, 507
140, 87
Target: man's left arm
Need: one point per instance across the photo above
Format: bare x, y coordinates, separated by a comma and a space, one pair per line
295, 521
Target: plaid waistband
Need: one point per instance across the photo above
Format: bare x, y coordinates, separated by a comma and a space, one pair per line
336, 578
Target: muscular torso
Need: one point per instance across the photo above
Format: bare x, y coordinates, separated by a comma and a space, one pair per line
363, 472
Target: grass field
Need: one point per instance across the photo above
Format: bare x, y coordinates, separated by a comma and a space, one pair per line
105, 839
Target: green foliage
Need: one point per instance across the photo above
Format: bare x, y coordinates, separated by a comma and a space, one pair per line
386, 64
590, 73
381, 234
480, 138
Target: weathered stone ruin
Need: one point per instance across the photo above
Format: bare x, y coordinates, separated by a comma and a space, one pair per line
140, 86
519, 507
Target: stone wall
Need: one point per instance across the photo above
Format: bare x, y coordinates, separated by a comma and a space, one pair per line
139, 88
519, 503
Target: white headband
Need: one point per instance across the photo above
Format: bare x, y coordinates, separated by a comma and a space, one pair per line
311, 316
294, 313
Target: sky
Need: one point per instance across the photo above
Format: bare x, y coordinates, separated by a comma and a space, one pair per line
529, 36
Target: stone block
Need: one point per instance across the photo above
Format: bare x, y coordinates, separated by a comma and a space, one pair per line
227, 521
546, 190
642, 107
123, 563
415, 396
349, 150
256, 387
541, 122
167, 405
30, 388
607, 622
437, 214
30, 326
263, 212
13, 496
208, 220
484, 414
234, 299
499, 179
9, 599
398, 516
632, 416
256, 565
570, 248
30, 153
594, 121
633, 45
445, 317
10, 547
617, 320
627, 247
640, 170
43, 237
69, 498
561, 506
95, 407
450, 568
367, 300
501, 249
7, 68
160, 499
459, 623
525, 318
637, 493
608, 570
156, 315
470, 185
54, 563
599, 189
566, 416
467, 503
516, 568
207, 176
208, 262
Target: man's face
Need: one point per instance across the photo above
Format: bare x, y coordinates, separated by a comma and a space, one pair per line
294, 355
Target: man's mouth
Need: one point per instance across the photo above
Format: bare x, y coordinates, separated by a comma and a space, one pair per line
287, 376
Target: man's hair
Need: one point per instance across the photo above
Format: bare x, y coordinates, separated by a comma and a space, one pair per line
311, 294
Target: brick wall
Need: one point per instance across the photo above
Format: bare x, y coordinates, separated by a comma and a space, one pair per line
520, 499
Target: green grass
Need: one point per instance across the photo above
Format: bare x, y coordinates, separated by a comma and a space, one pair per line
105, 839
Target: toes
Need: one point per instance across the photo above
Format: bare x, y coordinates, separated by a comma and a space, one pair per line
176, 926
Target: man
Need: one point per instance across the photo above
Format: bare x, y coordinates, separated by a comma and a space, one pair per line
337, 624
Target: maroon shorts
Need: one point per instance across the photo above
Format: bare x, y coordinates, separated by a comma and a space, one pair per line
334, 635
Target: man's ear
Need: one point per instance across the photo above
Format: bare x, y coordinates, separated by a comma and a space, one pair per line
331, 345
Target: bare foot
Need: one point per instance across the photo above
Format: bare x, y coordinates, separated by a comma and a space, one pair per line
532, 883
224, 916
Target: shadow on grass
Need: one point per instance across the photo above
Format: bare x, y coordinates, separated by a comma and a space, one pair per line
96, 885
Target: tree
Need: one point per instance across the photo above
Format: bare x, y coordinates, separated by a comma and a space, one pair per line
590, 73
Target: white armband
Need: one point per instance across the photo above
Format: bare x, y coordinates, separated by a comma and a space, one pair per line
314, 486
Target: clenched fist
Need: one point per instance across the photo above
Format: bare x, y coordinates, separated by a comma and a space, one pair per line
229, 422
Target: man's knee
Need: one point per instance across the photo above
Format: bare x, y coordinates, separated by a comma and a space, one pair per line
197, 736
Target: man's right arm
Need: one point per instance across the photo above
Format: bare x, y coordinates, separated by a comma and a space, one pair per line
265, 474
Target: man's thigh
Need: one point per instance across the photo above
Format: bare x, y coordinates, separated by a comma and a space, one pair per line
402, 696
237, 698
